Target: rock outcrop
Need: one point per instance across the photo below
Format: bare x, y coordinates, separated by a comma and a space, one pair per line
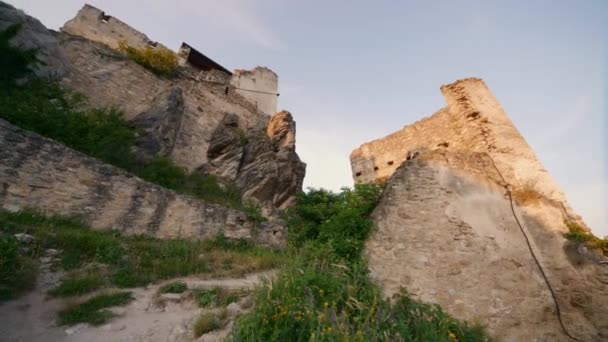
464, 197
33, 35
159, 125
263, 163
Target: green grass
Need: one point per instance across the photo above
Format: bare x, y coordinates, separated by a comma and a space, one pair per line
174, 287
324, 292
45, 107
578, 234
77, 285
131, 260
216, 297
91, 311
18, 271
208, 321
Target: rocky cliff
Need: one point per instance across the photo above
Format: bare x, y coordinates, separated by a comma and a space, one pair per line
471, 220
180, 117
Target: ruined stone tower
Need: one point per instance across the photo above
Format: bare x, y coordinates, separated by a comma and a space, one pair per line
472, 121
470, 220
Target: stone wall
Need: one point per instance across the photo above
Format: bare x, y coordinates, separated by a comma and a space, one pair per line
40, 174
94, 24
445, 232
259, 86
473, 121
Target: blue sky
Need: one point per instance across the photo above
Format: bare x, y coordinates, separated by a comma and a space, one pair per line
353, 71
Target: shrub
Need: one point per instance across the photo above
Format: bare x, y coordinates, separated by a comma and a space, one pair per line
17, 271
159, 60
206, 297
91, 311
77, 285
216, 297
174, 287
578, 234
337, 219
15, 63
208, 321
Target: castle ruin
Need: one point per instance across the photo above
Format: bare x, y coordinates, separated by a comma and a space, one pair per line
258, 86
472, 121
470, 220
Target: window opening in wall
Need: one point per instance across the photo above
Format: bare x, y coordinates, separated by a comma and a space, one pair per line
391, 162
104, 18
375, 168
357, 174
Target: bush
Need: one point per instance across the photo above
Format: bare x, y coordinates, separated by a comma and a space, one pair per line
17, 271
159, 60
216, 297
174, 287
91, 310
77, 285
578, 234
206, 297
15, 63
208, 321
337, 219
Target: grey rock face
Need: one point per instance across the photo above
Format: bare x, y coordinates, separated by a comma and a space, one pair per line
34, 35
263, 163
160, 125
226, 149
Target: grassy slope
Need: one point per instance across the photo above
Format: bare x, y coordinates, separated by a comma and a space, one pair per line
324, 292
113, 259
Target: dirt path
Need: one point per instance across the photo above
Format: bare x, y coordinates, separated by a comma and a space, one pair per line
147, 318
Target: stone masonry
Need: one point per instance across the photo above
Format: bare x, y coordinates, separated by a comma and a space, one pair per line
472, 121
94, 24
445, 232
40, 174
445, 229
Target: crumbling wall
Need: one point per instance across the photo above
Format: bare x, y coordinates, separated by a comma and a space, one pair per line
40, 174
445, 232
473, 121
259, 86
94, 24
